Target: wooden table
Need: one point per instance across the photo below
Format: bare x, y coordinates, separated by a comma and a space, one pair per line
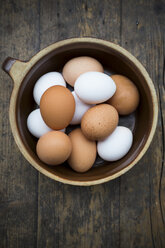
36, 211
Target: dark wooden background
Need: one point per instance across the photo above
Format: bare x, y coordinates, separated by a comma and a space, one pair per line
36, 211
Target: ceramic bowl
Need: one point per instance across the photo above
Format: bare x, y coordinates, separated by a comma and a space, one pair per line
114, 59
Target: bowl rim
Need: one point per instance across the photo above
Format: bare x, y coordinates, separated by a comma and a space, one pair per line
20, 69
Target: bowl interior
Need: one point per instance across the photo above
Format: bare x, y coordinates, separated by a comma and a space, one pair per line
113, 62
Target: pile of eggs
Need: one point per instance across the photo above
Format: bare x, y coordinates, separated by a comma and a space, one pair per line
95, 104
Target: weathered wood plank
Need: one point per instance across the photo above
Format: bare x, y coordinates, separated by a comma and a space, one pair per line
142, 190
126, 212
62, 19
156, 68
77, 216
18, 180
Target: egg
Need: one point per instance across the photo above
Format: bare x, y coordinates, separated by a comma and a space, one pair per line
94, 87
99, 121
46, 81
57, 107
126, 97
54, 148
36, 125
83, 153
116, 145
80, 109
76, 66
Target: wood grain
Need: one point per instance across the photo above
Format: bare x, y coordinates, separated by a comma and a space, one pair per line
38, 212
18, 181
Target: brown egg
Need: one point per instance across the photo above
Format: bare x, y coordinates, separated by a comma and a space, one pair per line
76, 66
54, 147
99, 121
126, 97
57, 107
83, 153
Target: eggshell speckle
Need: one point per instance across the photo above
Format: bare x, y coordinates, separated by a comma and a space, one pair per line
94, 87
83, 153
126, 97
57, 107
46, 81
54, 148
76, 66
81, 108
116, 145
99, 121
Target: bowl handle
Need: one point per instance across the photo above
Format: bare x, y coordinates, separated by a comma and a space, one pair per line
14, 68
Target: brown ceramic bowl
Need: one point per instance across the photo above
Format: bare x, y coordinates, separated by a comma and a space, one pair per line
115, 60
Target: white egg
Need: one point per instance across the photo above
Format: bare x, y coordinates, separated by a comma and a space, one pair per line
36, 124
81, 108
46, 81
94, 87
116, 145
